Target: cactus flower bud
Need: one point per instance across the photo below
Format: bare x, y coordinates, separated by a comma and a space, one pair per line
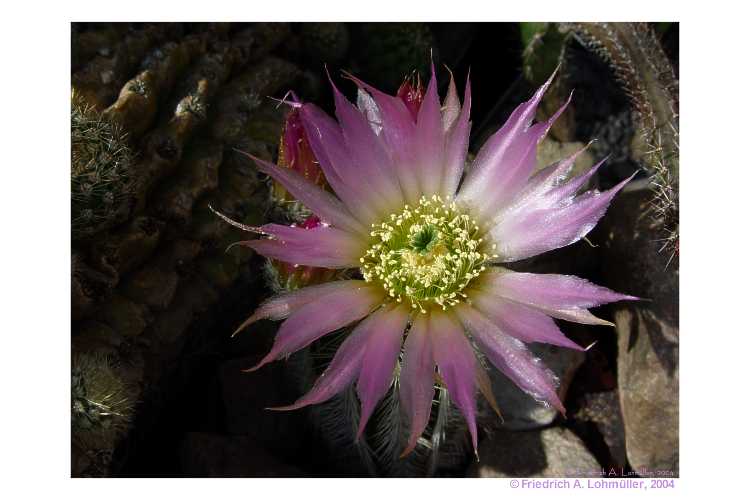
412, 93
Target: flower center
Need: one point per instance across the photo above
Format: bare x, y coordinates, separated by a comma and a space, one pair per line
425, 254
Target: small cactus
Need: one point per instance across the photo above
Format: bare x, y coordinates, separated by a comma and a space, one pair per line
101, 402
101, 160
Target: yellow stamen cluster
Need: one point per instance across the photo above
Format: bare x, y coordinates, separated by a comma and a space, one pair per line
425, 254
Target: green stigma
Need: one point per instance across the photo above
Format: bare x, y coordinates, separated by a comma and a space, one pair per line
425, 254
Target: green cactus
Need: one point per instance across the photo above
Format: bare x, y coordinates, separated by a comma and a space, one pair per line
642, 68
101, 171
101, 402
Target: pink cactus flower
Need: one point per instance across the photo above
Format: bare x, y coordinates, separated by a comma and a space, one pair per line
429, 238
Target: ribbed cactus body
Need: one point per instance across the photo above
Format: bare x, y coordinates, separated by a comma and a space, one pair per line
101, 170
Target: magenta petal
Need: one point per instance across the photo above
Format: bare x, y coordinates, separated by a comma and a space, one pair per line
521, 322
281, 306
416, 383
511, 357
321, 316
457, 365
429, 141
380, 358
536, 230
320, 246
322, 203
457, 146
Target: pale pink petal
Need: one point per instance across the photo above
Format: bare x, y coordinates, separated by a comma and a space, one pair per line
371, 164
369, 108
343, 369
397, 133
451, 106
519, 321
551, 291
507, 172
281, 306
329, 147
380, 358
319, 247
456, 363
511, 357
321, 316
492, 169
534, 230
416, 383
430, 142
560, 296
457, 146
323, 204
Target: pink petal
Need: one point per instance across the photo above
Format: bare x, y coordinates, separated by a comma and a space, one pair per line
281, 306
380, 358
369, 108
321, 316
534, 230
552, 291
320, 247
457, 146
322, 203
416, 383
371, 164
519, 321
429, 141
560, 296
343, 369
397, 134
507, 172
329, 147
493, 170
511, 357
451, 106
457, 365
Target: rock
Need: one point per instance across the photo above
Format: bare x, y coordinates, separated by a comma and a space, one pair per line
551, 452
648, 333
550, 151
602, 409
520, 411
215, 455
648, 390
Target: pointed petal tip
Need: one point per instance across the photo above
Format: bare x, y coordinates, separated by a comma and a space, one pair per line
360, 429
409, 447
267, 359
294, 406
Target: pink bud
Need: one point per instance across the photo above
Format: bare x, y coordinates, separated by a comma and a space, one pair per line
295, 153
412, 93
